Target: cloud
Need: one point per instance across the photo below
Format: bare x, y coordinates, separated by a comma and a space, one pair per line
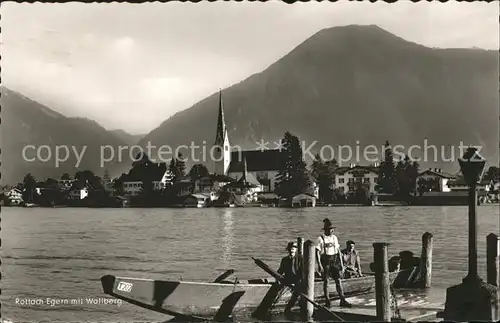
122, 47
161, 88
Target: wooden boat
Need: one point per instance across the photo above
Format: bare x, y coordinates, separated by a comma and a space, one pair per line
207, 300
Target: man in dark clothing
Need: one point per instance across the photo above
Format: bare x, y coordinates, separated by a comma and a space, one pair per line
291, 269
351, 260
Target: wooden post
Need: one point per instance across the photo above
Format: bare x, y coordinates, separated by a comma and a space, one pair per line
426, 260
382, 287
300, 249
492, 259
300, 253
309, 270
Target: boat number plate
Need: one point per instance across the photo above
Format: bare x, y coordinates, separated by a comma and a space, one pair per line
124, 287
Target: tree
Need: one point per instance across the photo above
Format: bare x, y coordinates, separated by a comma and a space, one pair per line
181, 166
118, 185
361, 193
292, 177
50, 194
427, 184
413, 176
147, 183
29, 185
177, 168
324, 172
65, 177
51, 183
172, 168
87, 177
406, 177
493, 174
387, 175
338, 195
141, 159
198, 171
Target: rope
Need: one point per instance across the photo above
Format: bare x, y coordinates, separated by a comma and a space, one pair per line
394, 304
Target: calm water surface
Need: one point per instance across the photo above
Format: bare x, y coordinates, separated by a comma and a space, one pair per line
62, 253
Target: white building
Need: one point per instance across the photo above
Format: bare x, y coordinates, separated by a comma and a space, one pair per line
460, 185
78, 191
131, 187
348, 178
304, 200
133, 181
15, 196
197, 200
437, 176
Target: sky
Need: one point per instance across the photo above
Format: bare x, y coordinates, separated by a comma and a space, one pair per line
131, 66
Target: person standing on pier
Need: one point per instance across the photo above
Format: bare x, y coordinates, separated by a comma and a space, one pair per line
330, 262
291, 269
351, 261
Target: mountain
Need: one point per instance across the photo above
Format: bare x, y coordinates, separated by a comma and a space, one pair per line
357, 86
26, 122
126, 137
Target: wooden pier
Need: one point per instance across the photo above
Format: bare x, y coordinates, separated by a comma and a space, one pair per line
412, 304
379, 307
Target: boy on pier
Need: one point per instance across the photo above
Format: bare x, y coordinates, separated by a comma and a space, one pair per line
330, 262
351, 261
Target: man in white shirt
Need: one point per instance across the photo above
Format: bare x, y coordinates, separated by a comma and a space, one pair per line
330, 262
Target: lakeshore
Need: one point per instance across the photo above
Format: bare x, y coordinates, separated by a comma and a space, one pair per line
158, 243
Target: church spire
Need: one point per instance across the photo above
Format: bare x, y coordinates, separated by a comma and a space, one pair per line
221, 124
222, 145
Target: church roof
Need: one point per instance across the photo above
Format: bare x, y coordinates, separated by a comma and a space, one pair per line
249, 178
240, 184
257, 160
438, 173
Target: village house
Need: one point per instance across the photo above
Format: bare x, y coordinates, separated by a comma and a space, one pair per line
185, 186
348, 178
133, 181
15, 196
304, 200
459, 184
78, 191
65, 184
211, 184
247, 184
196, 200
437, 178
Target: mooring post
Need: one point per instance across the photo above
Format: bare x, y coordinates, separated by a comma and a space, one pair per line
492, 259
426, 260
382, 287
300, 254
300, 250
309, 270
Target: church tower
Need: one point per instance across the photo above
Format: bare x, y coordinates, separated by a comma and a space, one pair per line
222, 149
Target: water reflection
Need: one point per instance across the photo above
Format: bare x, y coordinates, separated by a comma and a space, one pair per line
227, 236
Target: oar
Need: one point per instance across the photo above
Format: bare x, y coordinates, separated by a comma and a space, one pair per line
224, 275
281, 279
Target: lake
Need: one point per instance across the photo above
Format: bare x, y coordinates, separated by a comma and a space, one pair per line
61, 253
